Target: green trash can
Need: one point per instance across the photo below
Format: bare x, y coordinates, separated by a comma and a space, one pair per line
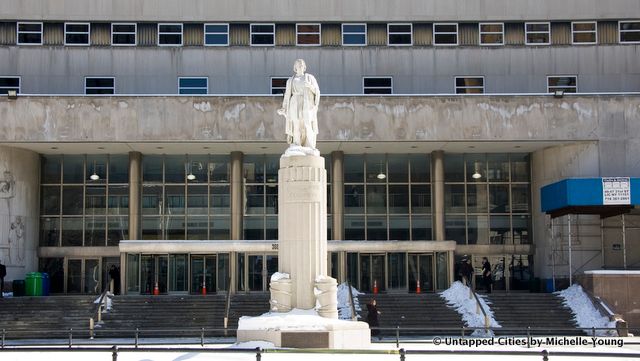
33, 284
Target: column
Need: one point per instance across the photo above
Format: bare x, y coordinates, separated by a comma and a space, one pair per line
237, 189
437, 161
135, 186
337, 195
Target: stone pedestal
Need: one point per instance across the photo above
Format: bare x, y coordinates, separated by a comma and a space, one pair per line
302, 225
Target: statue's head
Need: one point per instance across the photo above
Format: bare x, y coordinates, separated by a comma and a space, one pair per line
300, 65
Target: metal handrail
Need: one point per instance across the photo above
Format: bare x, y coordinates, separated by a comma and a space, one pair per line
621, 325
479, 306
227, 305
97, 311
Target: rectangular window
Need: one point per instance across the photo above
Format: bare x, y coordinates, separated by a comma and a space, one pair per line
278, 85
99, 85
469, 85
445, 34
190, 85
399, 34
537, 33
308, 34
9, 83
123, 34
377, 85
216, 34
584, 32
263, 34
169, 34
76, 34
29, 34
629, 32
566, 83
354, 34
491, 33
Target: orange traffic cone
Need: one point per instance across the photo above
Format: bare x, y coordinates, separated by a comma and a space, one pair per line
418, 290
375, 287
156, 290
204, 289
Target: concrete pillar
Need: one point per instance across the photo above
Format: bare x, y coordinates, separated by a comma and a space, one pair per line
302, 225
237, 191
337, 194
135, 187
437, 161
19, 211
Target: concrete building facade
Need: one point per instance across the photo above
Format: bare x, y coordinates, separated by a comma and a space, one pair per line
145, 135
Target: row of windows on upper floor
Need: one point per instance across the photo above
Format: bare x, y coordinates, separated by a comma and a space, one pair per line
370, 85
317, 34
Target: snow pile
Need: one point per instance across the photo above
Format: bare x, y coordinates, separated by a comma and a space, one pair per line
344, 303
584, 312
457, 296
253, 344
295, 319
279, 276
107, 302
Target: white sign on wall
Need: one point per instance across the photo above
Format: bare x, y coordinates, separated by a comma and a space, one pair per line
616, 190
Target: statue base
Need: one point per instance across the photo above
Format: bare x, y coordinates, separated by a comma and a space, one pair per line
297, 150
304, 329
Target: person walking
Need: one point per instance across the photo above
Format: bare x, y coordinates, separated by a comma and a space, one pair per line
372, 317
486, 274
466, 270
3, 273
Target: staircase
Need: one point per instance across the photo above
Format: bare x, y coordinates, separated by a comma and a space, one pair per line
159, 316
543, 312
426, 310
36, 317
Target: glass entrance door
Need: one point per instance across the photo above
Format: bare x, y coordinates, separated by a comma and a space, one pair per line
255, 272
83, 276
203, 272
421, 271
372, 272
153, 271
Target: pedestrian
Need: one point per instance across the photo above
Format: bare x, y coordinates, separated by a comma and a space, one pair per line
3, 273
487, 280
372, 318
114, 273
466, 270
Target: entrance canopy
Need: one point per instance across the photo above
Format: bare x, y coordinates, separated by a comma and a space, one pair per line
606, 197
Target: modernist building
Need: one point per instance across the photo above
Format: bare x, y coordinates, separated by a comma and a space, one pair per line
144, 134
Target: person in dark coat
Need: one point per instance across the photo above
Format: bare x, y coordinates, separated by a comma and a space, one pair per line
114, 273
372, 317
466, 271
3, 273
486, 274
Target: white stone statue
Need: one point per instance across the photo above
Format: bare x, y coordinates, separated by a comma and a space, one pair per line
300, 109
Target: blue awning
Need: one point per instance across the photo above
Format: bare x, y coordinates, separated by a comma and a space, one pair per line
603, 196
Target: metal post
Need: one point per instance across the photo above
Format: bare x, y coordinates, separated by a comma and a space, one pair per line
3, 335
91, 326
624, 243
570, 263
136, 337
553, 254
545, 355
70, 337
528, 336
602, 241
593, 331
114, 353
202, 337
258, 354
402, 354
463, 328
398, 336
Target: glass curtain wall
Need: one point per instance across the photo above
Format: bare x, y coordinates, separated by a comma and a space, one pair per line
387, 197
84, 200
487, 198
186, 197
260, 178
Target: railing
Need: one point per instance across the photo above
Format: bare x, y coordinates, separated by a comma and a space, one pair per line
622, 329
97, 311
354, 316
479, 307
227, 306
